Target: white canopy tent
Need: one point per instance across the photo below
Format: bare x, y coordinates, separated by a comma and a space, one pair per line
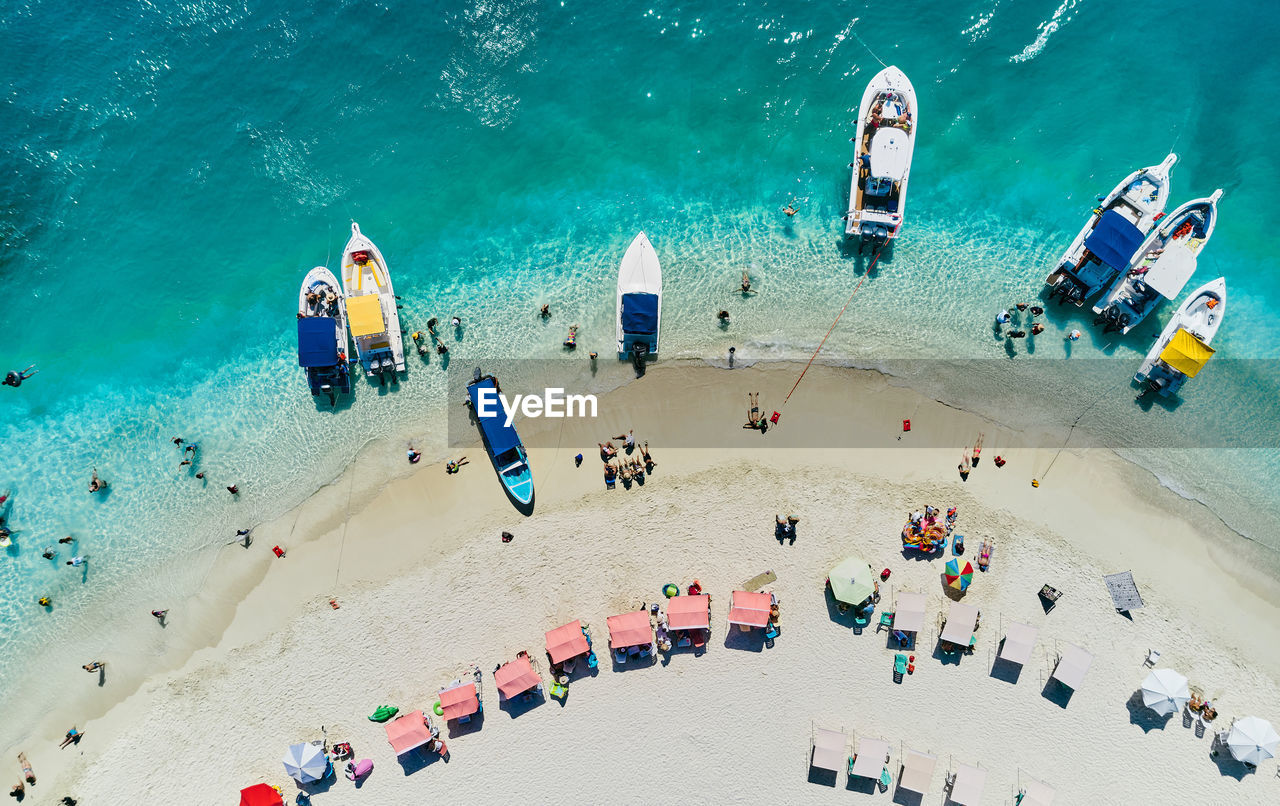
961, 622
872, 755
1072, 666
829, 749
1019, 639
908, 614
917, 772
966, 789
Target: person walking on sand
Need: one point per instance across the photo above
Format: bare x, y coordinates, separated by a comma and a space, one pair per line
93, 667
73, 737
160, 614
245, 536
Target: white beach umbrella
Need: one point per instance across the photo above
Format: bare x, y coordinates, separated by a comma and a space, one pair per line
1165, 691
305, 762
1252, 740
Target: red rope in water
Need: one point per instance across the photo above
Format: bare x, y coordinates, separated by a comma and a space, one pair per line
813, 357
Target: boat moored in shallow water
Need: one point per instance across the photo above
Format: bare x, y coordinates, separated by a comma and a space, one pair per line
1183, 347
885, 141
1162, 266
1112, 234
371, 308
322, 334
639, 302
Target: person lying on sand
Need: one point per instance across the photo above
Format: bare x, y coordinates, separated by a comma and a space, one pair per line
628, 440
607, 451
453, 467
648, 460
753, 412
610, 472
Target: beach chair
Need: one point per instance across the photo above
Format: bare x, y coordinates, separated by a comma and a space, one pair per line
771, 632
620, 655
886, 620
646, 651
1153, 657
1050, 596
886, 778
899, 667
558, 691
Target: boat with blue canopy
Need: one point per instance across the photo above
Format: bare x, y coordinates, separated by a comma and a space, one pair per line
1115, 230
639, 302
503, 444
322, 335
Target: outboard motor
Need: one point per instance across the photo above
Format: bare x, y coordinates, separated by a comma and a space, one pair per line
882, 234
639, 351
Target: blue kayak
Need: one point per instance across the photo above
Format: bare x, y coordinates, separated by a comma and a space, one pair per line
502, 442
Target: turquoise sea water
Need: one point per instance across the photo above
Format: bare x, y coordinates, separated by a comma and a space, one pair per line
172, 170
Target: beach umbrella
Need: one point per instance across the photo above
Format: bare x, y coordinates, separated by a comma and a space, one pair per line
260, 795
958, 576
1252, 740
1165, 691
852, 581
305, 762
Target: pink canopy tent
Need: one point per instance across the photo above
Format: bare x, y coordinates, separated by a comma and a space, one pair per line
459, 701
751, 609
689, 612
630, 629
516, 677
567, 642
408, 732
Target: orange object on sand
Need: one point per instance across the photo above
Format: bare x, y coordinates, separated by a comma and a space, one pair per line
334, 604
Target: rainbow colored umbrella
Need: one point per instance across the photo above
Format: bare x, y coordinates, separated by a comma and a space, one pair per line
956, 576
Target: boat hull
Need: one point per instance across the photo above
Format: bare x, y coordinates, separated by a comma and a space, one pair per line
639, 298
884, 145
336, 378
1140, 198
1200, 315
365, 273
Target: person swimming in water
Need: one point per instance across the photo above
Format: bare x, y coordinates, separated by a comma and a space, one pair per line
95, 483
16, 377
790, 209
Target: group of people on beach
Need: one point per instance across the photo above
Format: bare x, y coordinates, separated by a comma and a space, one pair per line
623, 465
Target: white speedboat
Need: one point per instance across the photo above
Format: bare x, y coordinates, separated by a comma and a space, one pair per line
1162, 265
371, 308
322, 334
1183, 346
1112, 234
639, 302
884, 141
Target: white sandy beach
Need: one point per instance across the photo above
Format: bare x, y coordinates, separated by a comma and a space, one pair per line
426, 588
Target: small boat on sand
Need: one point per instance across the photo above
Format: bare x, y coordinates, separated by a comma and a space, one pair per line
1183, 346
501, 441
371, 308
322, 334
1112, 234
1162, 266
639, 302
885, 141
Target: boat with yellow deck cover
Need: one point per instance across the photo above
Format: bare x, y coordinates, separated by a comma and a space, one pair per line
372, 314
1183, 348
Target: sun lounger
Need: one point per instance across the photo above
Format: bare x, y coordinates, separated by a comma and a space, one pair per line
620, 655
899, 667
1153, 657
1051, 596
